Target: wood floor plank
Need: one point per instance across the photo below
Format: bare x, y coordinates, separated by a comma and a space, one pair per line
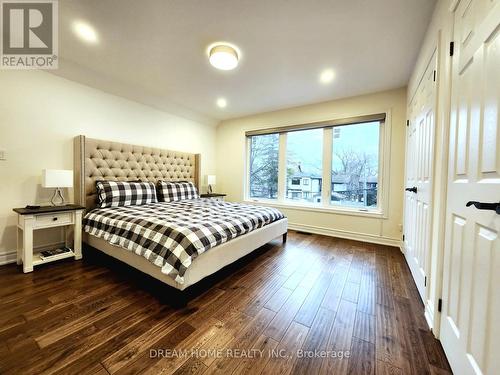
193, 366
185, 350
399, 287
362, 359
340, 339
94, 369
278, 299
387, 339
351, 292
245, 340
434, 351
255, 365
364, 327
266, 292
234, 321
411, 345
315, 343
287, 349
141, 343
285, 315
170, 340
384, 368
333, 294
311, 304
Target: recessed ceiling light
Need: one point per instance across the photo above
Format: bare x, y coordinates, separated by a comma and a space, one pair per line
223, 56
221, 103
326, 76
85, 32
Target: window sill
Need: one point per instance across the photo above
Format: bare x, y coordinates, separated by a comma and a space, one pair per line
323, 209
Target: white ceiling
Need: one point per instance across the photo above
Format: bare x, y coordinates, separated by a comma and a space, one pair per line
154, 51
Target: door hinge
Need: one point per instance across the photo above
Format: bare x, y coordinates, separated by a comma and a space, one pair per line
403, 237
434, 76
452, 48
440, 304
425, 281
407, 122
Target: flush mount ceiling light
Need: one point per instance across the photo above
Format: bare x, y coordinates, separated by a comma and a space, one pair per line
221, 103
223, 56
326, 76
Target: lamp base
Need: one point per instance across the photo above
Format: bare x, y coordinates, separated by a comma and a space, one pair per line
57, 198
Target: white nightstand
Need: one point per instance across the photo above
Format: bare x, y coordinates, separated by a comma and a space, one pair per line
216, 196
29, 220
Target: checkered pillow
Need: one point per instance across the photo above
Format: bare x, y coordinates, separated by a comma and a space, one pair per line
125, 193
176, 191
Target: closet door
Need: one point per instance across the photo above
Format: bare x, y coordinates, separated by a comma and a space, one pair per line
419, 170
470, 320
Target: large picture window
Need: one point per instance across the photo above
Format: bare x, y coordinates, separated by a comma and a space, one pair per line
332, 165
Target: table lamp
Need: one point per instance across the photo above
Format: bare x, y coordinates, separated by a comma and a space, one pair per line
57, 178
210, 181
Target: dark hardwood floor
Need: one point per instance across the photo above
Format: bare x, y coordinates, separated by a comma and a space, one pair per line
353, 303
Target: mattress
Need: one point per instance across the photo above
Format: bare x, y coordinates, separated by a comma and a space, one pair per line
171, 235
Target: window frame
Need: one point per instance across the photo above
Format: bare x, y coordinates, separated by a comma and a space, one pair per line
326, 205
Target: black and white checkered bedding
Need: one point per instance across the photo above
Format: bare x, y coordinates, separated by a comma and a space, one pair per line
176, 191
172, 234
125, 193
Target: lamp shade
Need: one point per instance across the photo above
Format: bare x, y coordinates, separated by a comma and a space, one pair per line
211, 179
57, 178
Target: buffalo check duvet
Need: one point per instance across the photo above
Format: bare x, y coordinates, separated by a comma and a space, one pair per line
172, 234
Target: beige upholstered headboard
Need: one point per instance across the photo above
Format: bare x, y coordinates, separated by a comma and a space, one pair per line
96, 160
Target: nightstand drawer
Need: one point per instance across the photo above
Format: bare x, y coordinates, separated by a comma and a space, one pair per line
53, 220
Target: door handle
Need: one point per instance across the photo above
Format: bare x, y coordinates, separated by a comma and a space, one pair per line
485, 206
412, 189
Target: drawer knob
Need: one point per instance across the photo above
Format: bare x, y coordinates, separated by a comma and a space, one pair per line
54, 218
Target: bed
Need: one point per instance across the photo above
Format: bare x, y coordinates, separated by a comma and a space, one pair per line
105, 160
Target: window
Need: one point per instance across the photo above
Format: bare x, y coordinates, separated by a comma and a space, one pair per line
264, 166
331, 165
304, 162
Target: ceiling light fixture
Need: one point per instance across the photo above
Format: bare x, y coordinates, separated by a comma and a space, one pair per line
221, 103
326, 76
85, 32
223, 56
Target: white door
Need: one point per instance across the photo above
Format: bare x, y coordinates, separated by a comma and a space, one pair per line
419, 169
470, 320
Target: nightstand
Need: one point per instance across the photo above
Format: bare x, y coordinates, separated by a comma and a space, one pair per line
29, 220
216, 196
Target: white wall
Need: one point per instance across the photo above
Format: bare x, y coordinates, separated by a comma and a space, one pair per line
231, 158
40, 114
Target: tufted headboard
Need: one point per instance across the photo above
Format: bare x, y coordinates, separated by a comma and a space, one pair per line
96, 160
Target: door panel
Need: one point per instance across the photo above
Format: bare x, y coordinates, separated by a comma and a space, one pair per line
470, 320
419, 170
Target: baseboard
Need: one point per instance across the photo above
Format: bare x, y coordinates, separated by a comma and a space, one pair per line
429, 314
7, 258
10, 257
345, 234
